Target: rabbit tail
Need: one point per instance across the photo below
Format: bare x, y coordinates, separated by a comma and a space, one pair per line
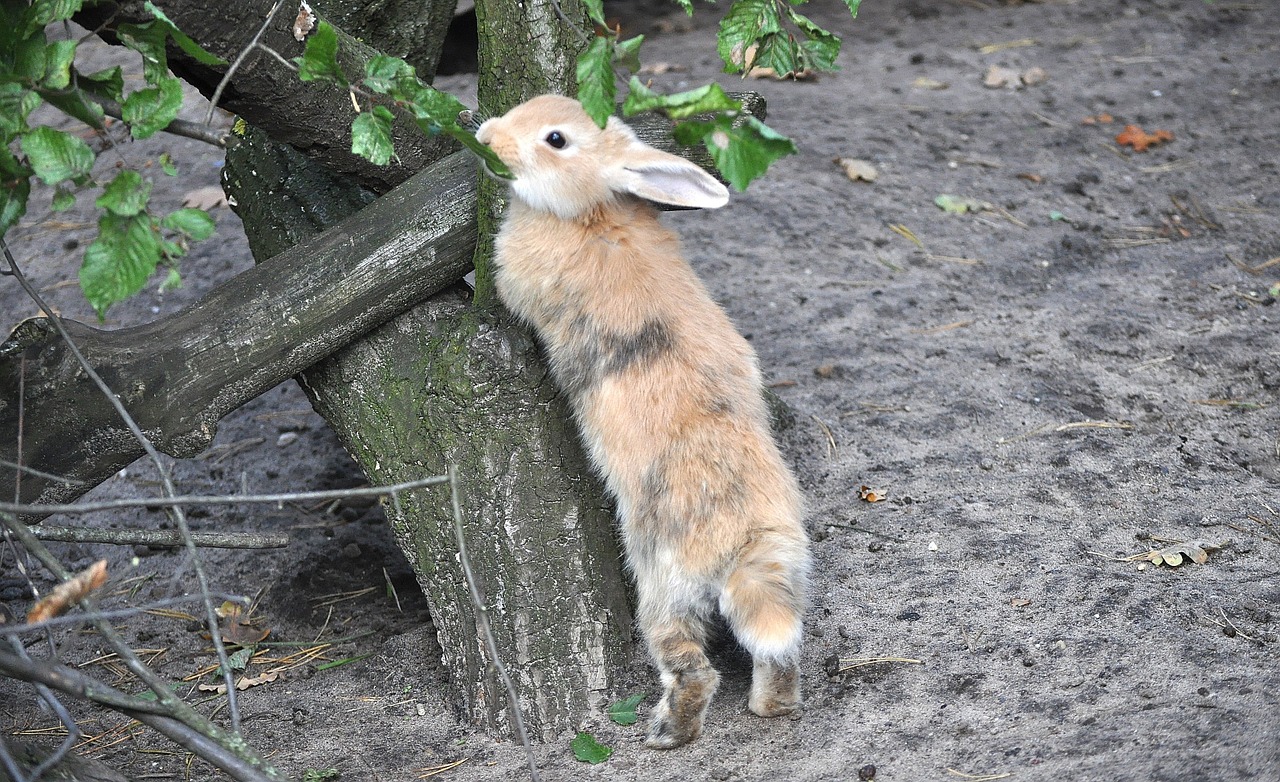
763, 600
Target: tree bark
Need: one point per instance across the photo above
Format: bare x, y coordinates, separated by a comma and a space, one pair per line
179, 375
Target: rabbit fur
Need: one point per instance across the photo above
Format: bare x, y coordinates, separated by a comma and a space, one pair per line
666, 393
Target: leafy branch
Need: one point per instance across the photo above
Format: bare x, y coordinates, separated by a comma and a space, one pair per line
132, 242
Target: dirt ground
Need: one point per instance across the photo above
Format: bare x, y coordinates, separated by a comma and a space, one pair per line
1085, 369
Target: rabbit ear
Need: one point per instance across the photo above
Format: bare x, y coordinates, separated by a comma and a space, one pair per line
658, 176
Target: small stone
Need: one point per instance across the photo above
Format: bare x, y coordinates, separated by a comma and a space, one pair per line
867, 772
285, 439
351, 551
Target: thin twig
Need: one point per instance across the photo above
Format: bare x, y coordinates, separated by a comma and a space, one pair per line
225, 499
48, 476
482, 624
211, 617
235, 65
177, 127
160, 537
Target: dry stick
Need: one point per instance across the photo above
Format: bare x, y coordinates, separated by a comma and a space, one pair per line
38, 473
231, 71
150, 713
50, 700
113, 613
482, 623
160, 537
227, 499
211, 617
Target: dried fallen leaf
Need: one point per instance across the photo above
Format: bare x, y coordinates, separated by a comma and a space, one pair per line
858, 170
1172, 555
997, 77
1134, 136
1030, 177
206, 198
1098, 119
659, 68
925, 83
1019, 602
243, 683
1033, 76
305, 22
869, 494
236, 626
68, 593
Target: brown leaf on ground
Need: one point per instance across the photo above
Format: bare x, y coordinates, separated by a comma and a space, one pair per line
236, 626
206, 198
858, 170
1134, 136
1030, 177
68, 593
869, 494
1098, 119
1019, 602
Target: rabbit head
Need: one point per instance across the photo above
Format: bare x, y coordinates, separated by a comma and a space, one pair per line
566, 165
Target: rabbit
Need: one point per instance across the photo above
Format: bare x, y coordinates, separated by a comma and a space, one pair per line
667, 396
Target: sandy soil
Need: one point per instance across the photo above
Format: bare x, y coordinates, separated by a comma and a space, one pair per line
1080, 373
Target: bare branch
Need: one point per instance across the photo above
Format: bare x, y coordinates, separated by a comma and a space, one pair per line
235, 65
226, 499
159, 537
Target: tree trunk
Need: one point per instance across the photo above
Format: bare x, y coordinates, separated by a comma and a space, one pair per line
448, 383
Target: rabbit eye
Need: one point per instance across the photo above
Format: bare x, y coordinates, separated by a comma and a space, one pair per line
556, 139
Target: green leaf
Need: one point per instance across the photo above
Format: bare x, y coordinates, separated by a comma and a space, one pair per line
150, 110
75, 103
319, 61
687, 5
742, 152
148, 39
194, 223
240, 659
126, 195
63, 199
29, 60
746, 23
627, 53
16, 102
108, 83
780, 53
820, 49
320, 774
120, 261
58, 57
595, 11
682, 105
596, 87
57, 156
45, 12
166, 164
172, 281
13, 200
388, 75
184, 42
957, 205
853, 6
588, 750
624, 711
371, 135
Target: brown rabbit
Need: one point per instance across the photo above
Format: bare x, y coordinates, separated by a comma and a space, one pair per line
666, 393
